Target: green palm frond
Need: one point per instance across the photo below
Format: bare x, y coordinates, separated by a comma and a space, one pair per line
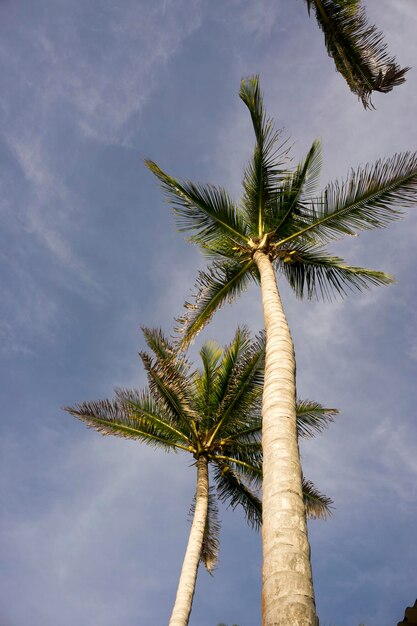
245, 459
210, 547
318, 506
372, 197
205, 210
231, 355
170, 390
295, 190
206, 400
357, 48
312, 272
220, 284
266, 168
109, 418
313, 418
244, 389
233, 491
141, 406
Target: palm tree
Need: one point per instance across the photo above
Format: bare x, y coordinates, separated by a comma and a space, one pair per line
280, 225
215, 415
357, 48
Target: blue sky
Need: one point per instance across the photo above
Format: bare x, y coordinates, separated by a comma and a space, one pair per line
93, 530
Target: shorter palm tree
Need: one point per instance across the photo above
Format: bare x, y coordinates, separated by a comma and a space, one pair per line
357, 48
214, 414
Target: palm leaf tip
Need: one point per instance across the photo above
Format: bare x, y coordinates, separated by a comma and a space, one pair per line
317, 505
313, 418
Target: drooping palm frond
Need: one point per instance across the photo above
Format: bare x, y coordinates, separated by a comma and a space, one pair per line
205, 210
371, 197
233, 491
245, 459
357, 48
266, 168
313, 273
318, 506
210, 547
313, 418
109, 418
220, 284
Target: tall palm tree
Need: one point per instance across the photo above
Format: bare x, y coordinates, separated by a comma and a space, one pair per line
282, 225
357, 48
214, 414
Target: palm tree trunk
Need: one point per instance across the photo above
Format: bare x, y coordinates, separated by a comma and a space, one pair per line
287, 593
185, 592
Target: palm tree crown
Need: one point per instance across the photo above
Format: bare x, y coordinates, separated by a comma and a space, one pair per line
282, 216
357, 48
213, 413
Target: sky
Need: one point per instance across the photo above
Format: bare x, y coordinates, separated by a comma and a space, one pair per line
93, 529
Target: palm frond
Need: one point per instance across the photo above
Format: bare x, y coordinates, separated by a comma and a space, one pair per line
142, 407
205, 210
210, 547
266, 167
313, 418
109, 418
357, 48
372, 197
221, 373
170, 390
220, 284
230, 357
166, 354
206, 400
245, 459
295, 189
312, 272
318, 506
233, 491
244, 388
249, 430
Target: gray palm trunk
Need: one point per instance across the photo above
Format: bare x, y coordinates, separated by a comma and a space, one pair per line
287, 596
185, 592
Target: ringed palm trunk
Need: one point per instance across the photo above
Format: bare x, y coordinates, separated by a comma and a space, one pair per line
185, 592
287, 588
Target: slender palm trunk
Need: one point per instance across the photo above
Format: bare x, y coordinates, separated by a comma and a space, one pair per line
185, 592
287, 594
